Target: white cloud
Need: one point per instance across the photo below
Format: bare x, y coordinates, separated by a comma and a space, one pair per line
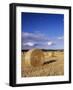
61, 38
35, 39
50, 43
29, 44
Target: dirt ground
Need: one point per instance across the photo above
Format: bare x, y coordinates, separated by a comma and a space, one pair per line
53, 66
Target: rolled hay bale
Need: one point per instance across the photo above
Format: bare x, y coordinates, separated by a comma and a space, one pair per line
56, 53
51, 54
34, 57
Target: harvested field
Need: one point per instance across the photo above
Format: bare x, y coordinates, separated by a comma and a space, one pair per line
53, 65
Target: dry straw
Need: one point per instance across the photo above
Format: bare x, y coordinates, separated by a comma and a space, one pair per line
34, 57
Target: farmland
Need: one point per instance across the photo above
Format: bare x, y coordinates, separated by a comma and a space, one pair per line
53, 65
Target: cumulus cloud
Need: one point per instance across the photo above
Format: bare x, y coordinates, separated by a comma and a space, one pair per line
33, 37
29, 44
50, 43
35, 40
61, 38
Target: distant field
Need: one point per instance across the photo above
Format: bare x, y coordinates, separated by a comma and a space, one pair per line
53, 65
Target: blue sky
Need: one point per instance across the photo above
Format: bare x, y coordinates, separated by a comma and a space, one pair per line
44, 31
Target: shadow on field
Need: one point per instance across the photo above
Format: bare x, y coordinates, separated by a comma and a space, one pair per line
48, 62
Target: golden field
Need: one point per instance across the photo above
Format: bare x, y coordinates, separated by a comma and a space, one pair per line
53, 65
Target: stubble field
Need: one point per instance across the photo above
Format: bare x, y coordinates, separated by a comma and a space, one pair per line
53, 65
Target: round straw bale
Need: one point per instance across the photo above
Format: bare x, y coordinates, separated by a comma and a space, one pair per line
34, 57
50, 54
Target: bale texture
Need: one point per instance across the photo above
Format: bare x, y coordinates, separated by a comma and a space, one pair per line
34, 57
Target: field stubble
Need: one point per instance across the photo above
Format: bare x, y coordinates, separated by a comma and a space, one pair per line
53, 66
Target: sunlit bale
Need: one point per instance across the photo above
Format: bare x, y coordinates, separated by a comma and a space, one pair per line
34, 57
